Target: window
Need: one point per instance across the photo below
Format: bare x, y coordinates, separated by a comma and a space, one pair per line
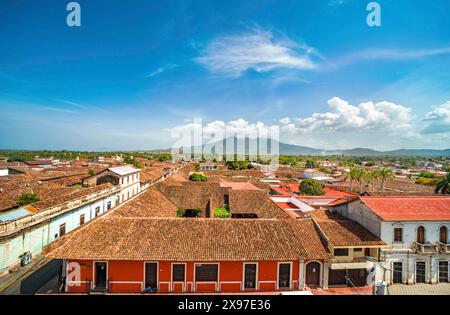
108, 205
62, 229
284, 275
178, 272
397, 273
250, 275
206, 272
357, 249
443, 271
443, 235
341, 252
421, 235
398, 234
420, 272
97, 211
82, 219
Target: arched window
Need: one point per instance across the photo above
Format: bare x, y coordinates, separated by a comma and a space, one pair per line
443, 235
421, 235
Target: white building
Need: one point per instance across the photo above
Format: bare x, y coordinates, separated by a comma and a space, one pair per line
416, 231
126, 177
312, 172
28, 229
129, 181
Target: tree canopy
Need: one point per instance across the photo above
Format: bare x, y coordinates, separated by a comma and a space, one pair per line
311, 187
197, 177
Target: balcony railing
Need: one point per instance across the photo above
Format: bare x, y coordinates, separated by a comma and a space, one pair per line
444, 248
349, 260
427, 248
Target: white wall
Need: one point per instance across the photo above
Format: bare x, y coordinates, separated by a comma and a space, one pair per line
38, 237
410, 232
400, 252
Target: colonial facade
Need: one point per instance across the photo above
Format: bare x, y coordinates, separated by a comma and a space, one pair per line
416, 231
192, 255
40, 224
27, 230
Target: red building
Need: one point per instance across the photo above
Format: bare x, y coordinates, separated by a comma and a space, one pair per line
129, 255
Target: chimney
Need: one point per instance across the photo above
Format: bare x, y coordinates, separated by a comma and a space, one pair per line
210, 209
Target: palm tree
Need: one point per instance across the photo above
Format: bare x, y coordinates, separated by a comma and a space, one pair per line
443, 185
372, 176
356, 174
385, 174
353, 174
360, 176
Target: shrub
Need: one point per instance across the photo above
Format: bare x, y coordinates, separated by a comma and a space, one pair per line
426, 181
28, 198
181, 213
197, 177
427, 175
311, 187
222, 212
189, 213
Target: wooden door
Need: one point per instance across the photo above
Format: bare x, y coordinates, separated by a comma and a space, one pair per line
313, 274
151, 275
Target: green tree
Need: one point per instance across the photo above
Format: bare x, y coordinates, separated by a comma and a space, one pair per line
237, 165
311, 164
27, 198
443, 185
311, 187
385, 174
197, 177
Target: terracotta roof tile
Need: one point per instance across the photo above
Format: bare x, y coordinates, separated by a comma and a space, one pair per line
410, 208
151, 203
116, 238
341, 231
254, 202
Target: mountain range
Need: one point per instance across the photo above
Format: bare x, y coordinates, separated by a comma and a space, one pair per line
292, 149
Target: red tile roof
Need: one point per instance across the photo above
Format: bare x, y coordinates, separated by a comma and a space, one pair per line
238, 185
409, 208
290, 188
119, 238
343, 232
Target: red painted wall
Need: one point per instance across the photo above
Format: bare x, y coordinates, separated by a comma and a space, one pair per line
128, 277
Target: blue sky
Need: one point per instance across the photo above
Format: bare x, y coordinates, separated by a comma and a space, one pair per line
137, 69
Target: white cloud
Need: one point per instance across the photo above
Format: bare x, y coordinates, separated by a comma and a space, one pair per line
160, 70
218, 130
257, 50
389, 54
438, 120
345, 117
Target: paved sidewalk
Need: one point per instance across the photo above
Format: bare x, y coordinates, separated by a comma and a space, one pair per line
10, 284
343, 291
419, 289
